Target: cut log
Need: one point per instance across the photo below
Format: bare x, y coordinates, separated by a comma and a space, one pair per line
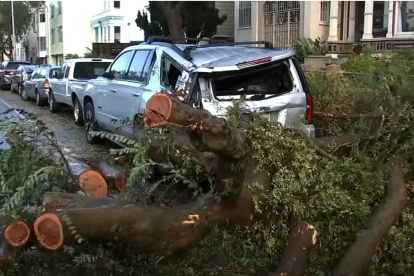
299, 247
17, 234
49, 231
159, 230
92, 183
54, 201
356, 258
124, 160
114, 175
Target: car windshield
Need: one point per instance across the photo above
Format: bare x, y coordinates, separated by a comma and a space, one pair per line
13, 65
89, 70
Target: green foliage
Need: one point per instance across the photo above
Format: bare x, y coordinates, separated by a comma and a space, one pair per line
23, 12
199, 17
305, 47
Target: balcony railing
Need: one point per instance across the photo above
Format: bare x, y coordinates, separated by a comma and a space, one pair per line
377, 45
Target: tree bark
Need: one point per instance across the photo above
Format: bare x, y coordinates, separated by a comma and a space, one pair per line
300, 245
172, 13
356, 258
159, 230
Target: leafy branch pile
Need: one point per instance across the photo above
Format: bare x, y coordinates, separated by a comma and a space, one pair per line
303, 180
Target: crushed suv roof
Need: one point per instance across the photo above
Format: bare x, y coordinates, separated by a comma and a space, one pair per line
220, 56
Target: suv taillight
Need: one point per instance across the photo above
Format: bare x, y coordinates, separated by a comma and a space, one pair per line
7, 72
46, 84
309, 107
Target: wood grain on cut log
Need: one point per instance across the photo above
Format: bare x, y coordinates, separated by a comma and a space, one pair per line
12, 240
356, 258
159, 230
300, 245
17, 234
92, 183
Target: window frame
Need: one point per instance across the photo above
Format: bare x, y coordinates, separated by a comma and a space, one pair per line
244, 13
40, 17
60, 31
398, 21
173, 62
109, 69
147, 63
327, 12
67, 70
52, 36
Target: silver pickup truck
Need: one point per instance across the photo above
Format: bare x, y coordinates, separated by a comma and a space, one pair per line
68, 84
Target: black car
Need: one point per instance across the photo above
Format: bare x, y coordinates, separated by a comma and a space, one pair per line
22, 74
7, 70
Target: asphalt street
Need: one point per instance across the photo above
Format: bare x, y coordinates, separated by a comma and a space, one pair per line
68, 134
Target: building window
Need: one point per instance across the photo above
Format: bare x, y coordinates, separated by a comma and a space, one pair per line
245, 14
108, 29
53, 38
406, 16
117, 31
42, 43
104, 34
325, 12
52, 11
59, 7
117, 4
60, 34
42, 18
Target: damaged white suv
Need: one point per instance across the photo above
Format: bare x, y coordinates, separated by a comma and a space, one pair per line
270, 81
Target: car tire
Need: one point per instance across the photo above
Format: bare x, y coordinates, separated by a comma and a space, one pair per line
53, 105
11, 88
90, 123
2, 84
23, 94
39, 100
77, 112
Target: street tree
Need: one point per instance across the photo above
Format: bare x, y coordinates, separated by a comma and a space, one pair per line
180, 19
23, 14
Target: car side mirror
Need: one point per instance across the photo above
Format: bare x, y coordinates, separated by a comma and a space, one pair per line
108, 75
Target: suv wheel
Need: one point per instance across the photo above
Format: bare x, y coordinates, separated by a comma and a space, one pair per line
77, 112
90, 123
53, 105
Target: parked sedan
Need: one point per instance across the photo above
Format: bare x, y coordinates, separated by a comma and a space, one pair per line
21, 75
37, 87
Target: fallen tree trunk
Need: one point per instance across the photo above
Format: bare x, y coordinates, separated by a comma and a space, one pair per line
356, 258
295, 257
159, 230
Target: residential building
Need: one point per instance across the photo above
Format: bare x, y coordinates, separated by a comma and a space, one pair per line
68, 28
114, 21
39, 27
27, 46
383, 24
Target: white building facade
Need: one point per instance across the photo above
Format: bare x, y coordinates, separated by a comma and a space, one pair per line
114, 22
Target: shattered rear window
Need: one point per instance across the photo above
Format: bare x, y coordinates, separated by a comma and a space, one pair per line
254, 83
